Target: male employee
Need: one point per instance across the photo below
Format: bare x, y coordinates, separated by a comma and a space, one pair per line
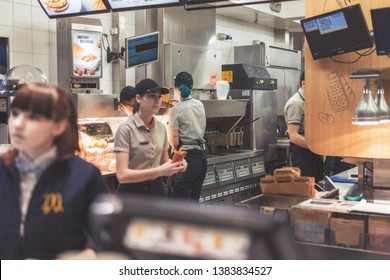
310, 163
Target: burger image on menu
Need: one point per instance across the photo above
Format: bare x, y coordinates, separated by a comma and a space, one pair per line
57, 5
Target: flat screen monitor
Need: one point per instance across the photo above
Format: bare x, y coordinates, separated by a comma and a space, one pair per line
381, 24
337, 32
68, 8
4, 61
127, 5
141, 50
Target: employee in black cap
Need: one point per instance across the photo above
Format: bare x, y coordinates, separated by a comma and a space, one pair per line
127, 100
141, 145
187, 125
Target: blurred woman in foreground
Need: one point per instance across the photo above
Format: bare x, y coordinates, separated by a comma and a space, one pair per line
45, 190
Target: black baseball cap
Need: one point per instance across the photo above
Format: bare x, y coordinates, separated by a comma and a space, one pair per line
184, 78
149, 85
127, 93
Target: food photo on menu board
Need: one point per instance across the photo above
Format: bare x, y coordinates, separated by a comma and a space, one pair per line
87, 54
55, 8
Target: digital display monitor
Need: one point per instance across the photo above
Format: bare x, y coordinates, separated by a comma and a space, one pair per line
86, 54
141, 50
337, 32
126, 5
381, 23
68, 8
4, 62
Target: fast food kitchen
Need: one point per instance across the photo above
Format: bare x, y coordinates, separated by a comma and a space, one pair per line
89, 54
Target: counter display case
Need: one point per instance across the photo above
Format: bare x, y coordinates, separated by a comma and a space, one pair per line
98, 122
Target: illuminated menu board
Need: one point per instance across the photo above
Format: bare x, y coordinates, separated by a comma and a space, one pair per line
121, 5
87, 54
67, 8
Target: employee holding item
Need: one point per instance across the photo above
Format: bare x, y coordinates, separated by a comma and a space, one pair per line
310, 163
141, 145
187, 125
45, 190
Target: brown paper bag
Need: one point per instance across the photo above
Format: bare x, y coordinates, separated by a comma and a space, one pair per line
287, 183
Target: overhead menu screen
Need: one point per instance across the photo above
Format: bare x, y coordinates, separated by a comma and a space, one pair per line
122, 5
337, 32
67, 8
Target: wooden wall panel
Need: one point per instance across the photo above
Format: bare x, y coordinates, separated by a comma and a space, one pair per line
329, 129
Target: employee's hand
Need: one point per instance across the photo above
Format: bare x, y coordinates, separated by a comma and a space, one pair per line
184, 165
169, 168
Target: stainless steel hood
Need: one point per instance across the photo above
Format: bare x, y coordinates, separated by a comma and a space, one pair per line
186, 40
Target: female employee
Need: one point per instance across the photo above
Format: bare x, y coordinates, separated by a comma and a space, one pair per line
141, 145
45, 190
187, 125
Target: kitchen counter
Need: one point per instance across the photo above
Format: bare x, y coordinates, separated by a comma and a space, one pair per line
369, 193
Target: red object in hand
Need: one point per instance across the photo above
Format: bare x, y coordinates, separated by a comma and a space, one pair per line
178, 156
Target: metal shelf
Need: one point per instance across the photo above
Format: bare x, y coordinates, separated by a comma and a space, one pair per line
371, 73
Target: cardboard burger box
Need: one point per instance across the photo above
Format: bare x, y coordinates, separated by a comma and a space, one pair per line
347, 231
378, 234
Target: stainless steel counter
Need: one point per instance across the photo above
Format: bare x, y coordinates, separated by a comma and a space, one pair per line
369, 193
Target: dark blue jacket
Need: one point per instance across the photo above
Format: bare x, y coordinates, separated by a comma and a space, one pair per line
57, 216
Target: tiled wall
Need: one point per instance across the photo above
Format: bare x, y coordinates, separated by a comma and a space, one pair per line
32, 37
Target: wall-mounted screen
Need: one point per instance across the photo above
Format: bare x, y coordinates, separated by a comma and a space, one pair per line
337, 32
381, 24
68, 8
87, 54
123, 5
4, 61
141, 50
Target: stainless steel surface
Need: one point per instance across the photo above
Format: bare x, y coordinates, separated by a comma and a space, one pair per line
201, 62
254, 54
118, 73
381, 173
193, 31
232, 176
268, 56
263, 131
3, 133
195, 28
286, 58
224, 108
288, 84
273, 201
230, 156
95, 105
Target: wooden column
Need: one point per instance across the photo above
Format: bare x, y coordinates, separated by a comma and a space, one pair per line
328, 128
